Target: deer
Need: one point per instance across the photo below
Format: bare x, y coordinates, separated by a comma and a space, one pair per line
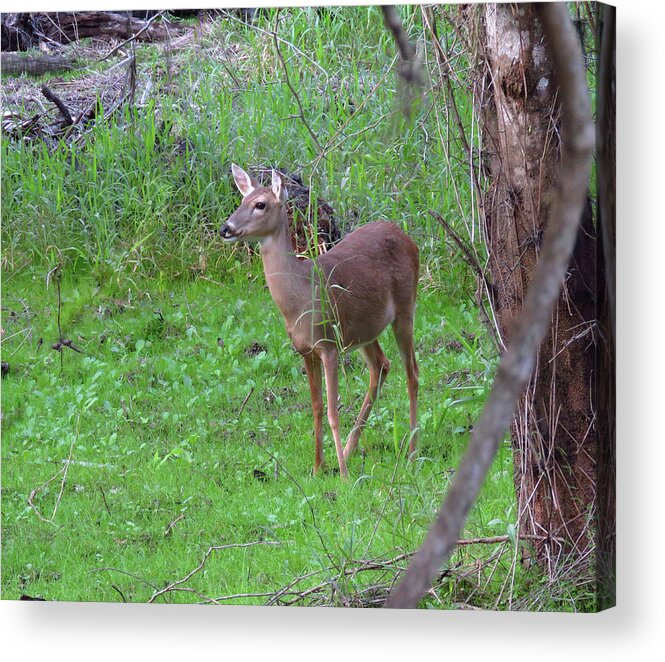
339, 301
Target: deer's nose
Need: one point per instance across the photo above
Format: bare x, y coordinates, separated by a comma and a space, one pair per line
227, 231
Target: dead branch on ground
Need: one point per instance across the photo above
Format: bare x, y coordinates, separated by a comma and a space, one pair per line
177, 585
37, 64
63, 481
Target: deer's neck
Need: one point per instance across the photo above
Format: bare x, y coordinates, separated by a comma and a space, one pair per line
288, 278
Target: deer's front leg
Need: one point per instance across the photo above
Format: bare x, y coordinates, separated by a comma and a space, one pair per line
329, 359
313, 368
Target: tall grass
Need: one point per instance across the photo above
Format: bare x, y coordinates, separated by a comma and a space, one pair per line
143, 189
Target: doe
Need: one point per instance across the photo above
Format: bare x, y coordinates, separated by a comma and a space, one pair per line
341, 300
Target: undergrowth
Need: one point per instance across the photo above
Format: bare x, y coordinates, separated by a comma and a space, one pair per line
169, 432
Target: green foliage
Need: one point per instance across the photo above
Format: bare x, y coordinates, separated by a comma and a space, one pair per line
186, 412
147, 190
152, 409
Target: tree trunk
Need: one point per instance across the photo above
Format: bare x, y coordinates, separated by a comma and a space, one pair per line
554, 432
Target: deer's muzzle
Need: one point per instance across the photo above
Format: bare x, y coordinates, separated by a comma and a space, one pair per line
229, 233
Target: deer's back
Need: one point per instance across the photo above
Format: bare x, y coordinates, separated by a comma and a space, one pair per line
372, 276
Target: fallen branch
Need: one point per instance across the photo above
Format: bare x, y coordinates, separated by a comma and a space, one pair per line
14, 64
51, 96
174, 586
113, 51
245, 401
65, 27
518, 362
360, 566
62, 471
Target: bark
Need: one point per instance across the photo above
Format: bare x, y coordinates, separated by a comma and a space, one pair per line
555, 431
16, 31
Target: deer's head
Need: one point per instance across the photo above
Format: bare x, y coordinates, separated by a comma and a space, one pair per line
260, 213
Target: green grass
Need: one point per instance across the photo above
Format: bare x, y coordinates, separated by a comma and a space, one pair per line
152, 412
187, 413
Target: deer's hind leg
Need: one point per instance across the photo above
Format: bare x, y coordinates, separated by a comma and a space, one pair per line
378, 366
403, 329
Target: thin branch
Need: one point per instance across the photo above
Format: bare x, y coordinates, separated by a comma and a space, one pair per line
410, 69
331, 145
213, 548
468, 256
132, 38
62, 471
306, 499
169, 528
301, 112
125, 572
274, 35
245, 401
518, 362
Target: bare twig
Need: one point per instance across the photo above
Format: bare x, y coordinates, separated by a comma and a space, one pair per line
239, 596
169, 528
518, 362
245, 401
106, 505
274, 35
132, 38
125, 572
213, 548
305, 497
301, 112
62, 471
468, 256
119, 592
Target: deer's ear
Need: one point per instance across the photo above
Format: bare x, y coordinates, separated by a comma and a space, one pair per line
243, 181
278, 187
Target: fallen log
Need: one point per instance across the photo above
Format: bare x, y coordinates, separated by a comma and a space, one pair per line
15, 64
66, 27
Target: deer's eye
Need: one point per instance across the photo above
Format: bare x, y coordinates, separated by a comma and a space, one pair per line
260, 206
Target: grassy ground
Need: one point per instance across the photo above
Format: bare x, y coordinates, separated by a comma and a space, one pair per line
165, 459
183, 424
